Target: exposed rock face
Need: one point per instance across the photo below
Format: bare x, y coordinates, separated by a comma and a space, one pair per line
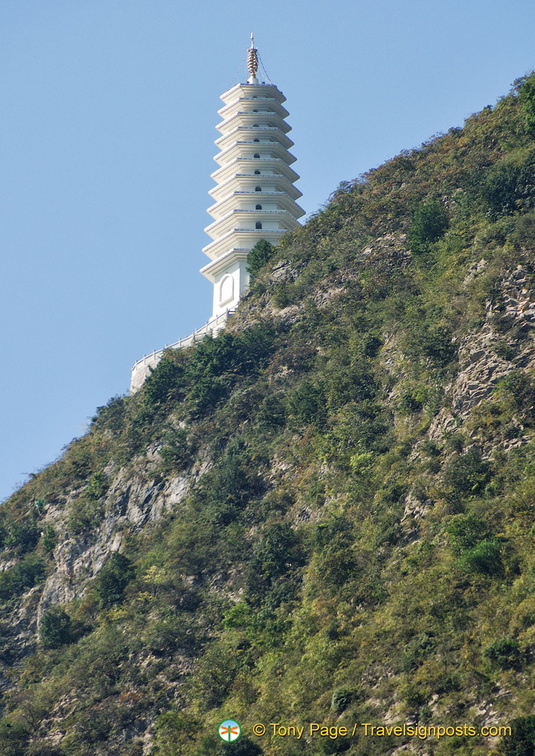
388, 246
507, 330
131, 503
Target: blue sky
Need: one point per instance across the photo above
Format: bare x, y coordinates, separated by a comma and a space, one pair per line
107, 128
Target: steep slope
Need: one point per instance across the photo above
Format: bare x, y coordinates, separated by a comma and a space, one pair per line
325, 514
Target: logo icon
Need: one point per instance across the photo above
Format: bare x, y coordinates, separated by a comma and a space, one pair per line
229, 730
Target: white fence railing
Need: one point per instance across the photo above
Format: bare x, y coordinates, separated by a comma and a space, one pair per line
143, 367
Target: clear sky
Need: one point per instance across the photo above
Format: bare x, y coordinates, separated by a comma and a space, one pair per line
108, 111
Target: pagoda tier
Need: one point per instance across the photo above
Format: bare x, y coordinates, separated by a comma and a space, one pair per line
254, 197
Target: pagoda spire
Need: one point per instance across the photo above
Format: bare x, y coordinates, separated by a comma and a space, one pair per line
252, 62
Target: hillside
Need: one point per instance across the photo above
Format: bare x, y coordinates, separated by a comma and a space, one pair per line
326, 514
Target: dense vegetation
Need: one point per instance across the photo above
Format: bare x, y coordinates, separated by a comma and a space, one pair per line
326, 513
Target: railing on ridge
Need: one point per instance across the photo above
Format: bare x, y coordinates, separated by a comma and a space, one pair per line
187, 341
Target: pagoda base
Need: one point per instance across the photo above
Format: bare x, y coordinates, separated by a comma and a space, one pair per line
230, 278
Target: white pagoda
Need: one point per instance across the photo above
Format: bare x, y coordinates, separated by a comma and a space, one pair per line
255, 197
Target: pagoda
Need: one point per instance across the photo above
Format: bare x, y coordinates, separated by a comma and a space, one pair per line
255, 197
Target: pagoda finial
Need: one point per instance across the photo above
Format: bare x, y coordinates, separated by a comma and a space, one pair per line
252, 62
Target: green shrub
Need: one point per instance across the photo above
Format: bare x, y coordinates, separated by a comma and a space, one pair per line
499, 189
77, 462
455, 442
504, 653
413, 695
23, 535
425, 337
338, 745
522, 390
412, 399
336, 565
284, 295
429, 222
306, 404
271, 412
90, 730
217, 669
277, 557
524, 231
241, 747
14, 737
49, 539
111, 415
55, 629
45, 750
216, 363
174, 730
24, 575
213, 356
504, 350
87, 510
139, 430
484, 558
466, 531
371, 345
417, 650
96, 486
349, 383
232, 484
430, 448
172, 633
112, 579
436, 343
255, 346
177, 452
509, 186
85, 515
467, 474
341, 698
260, 254
165, 382
526, 95
521, 742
